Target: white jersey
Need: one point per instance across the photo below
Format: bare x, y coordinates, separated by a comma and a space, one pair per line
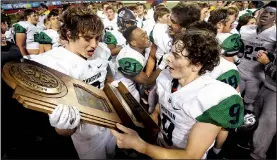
110, 25
162, 40
180, 110
40, 24
31, 32
49, 36
148, 25
87, 137
129, 63
254, 42
114, 37
101, 15
226, 72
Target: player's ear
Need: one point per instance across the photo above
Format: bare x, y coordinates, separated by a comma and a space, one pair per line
133, 43
68, 34
219, 25
197, 67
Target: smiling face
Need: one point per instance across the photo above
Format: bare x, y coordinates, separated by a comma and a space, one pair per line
140, 39
110, 14
55, 22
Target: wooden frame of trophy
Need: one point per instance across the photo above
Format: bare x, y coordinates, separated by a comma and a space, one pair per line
41, 88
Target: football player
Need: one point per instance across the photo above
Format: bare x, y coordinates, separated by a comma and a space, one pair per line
26, 32
255, 38
230, 43
131, 61
265, 107
190, 120
49, 38
86, 60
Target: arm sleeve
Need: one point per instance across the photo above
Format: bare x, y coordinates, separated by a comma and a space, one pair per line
232, 45
129, 67
228, 113
19, 29
110, 39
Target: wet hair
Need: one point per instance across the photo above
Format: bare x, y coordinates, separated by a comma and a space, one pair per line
28, 12
80, 21
159, 12
218, 15
202, 25
201, 46
186, 14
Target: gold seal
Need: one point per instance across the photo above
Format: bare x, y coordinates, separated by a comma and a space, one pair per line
36, 78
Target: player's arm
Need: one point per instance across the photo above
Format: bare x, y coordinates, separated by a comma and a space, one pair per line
151, 60
109, 77
201, 137
41, 48
47, 47
142, 78
114, 49
155, 114
20, 42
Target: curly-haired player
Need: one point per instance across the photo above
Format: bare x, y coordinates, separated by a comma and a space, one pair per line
193, 106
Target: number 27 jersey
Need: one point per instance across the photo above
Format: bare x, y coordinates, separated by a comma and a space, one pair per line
254, 42
203, 100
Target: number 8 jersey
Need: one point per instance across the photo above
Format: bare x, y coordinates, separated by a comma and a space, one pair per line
254, 42
203, 100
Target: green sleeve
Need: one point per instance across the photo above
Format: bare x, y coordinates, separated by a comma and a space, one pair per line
19, 29
231, 77
228, 113
110, 39
232, 45
43, 38
129, 67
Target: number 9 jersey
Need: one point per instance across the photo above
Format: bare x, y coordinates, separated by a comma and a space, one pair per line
253, 42
204, 100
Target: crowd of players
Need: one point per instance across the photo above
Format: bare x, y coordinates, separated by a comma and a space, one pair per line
201, 70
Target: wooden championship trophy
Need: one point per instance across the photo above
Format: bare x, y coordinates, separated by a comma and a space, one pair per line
41, 88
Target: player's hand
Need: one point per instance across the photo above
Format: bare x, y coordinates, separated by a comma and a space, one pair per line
129, 139
65, 117
115, 84
164, 62
262, 57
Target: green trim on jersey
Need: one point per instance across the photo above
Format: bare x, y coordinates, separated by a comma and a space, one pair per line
151, 37
227, 114
231, 44
230, 77
19, 29
109, 38
43, 38
129, 66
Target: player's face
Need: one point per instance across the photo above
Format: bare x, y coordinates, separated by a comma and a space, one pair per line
165, 19
4, 26
54, 21
141, 38
251, 21
228, 26
204, 13
219, 3
104, 8
174, 27
268, 16
110, 14
33, 18
179, 65
140, 10
84, 46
